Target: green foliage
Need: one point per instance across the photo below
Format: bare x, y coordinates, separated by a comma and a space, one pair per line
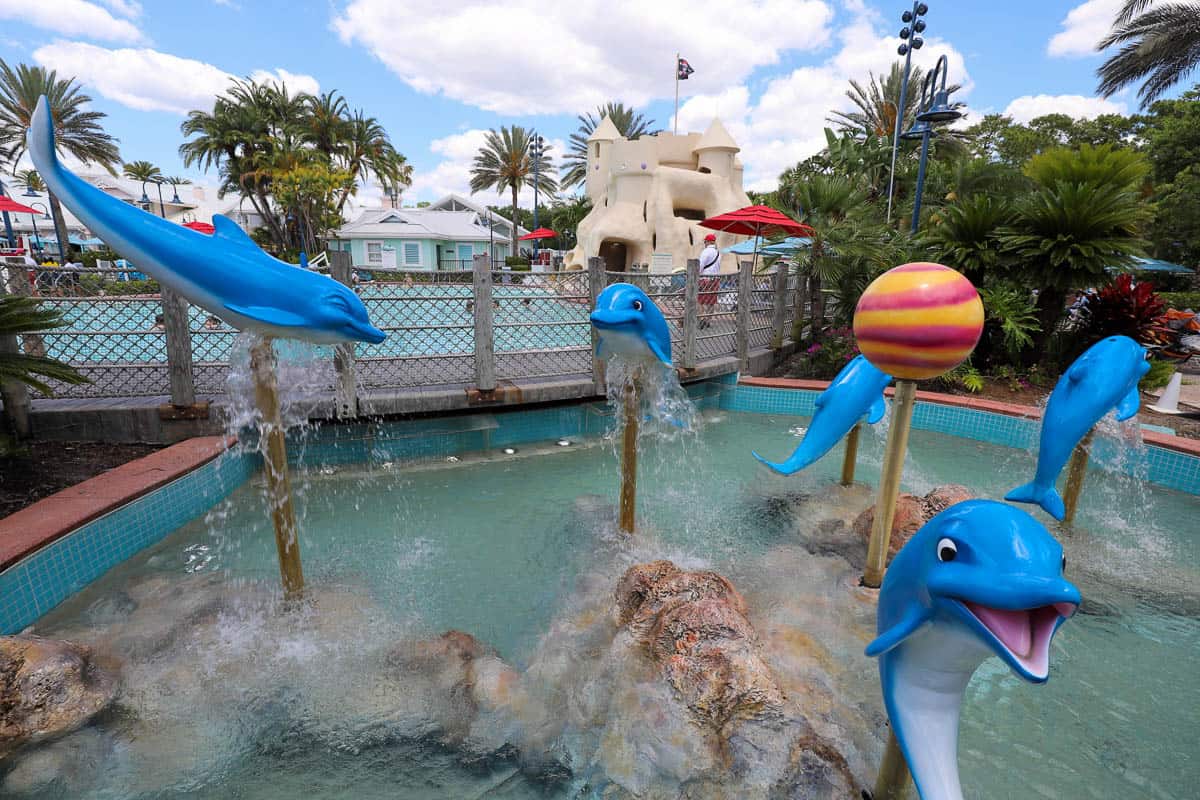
1159, 47
98, 285
1104, 165
964, 377
1159, 375
965, 234
825, 359
506, 161
25, 315
89, 257
516, 262
1181, 300
996, 138
1010, 317
142, 171
29, 178
628, 123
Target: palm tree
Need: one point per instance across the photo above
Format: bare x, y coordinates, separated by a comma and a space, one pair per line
77, 129
1086, 214
966, 235
30, 179
25, 316
142, 171
365, 150
1159, 47
504, 162
628, 122
877, 103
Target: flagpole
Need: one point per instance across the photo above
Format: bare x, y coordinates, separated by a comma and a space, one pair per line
676, 128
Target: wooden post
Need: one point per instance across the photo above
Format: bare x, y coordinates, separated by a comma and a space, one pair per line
485, 353
801, 307
596, 285
1076, 473
346, 388
893, 780
279, 490
691, 312
850, 458
179, 348
889, 482
779, 309
633, 402
745, 297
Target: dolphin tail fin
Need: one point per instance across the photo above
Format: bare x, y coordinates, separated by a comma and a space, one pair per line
789, 467
1045, 496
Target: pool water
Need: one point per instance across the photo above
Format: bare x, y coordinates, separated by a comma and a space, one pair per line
229, 695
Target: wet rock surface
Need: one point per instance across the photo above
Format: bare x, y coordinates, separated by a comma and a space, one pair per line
912, 511
48, 688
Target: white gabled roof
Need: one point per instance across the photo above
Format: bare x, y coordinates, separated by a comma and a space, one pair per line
451, 200
417, 223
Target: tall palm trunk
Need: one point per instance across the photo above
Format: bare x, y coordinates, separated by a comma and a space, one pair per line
516, 248
814, 288
60, 228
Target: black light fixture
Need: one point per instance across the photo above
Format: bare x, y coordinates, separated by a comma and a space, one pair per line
910, 35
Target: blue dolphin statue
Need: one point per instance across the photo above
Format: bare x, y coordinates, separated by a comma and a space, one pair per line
630, 324
979, 579
1104, 377
857, 391
226, 273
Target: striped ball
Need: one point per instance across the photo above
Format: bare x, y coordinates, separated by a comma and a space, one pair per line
918, 320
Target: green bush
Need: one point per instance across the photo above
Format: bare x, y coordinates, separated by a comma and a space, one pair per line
1181, 300
89, 257
825, 359
517, 262
106, 283
1158, 376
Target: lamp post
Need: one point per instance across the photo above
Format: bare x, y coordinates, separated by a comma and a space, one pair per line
934, 109
912, 41
162, 209
537, 147
37, 237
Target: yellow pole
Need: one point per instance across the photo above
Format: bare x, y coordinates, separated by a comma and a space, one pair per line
1076, 472
279, 490
633, 404
892, 782
889, 482
850, 459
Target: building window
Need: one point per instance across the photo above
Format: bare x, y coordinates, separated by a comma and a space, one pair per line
374, 252
412, 254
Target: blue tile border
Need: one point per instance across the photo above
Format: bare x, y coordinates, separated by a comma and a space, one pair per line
1167, 468
34, 585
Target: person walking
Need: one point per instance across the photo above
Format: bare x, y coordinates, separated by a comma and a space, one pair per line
710, 267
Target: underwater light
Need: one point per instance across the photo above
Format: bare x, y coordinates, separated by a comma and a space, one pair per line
509, 451
451, 459
563, 443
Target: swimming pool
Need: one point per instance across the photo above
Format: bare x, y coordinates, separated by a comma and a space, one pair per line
234, 697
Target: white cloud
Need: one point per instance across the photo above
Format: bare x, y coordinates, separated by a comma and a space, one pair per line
786, 123
1083, 28
149, 80
453, 173
526, 57
125, 8
294, 83
75, 18
1077, 106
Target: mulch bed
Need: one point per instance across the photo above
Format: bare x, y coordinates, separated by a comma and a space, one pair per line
49, 467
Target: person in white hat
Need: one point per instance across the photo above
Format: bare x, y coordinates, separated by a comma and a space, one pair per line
710, 265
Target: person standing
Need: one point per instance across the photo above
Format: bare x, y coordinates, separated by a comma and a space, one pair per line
710, 268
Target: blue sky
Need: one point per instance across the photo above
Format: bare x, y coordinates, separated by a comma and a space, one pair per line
437, 76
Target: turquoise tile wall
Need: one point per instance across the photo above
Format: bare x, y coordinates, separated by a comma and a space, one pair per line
38, 583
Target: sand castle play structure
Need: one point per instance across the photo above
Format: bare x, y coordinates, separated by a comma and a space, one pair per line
649, 196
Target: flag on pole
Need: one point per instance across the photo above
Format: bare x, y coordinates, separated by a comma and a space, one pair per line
685, 69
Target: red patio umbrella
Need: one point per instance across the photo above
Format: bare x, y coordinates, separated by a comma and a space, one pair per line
10, 205
757, 221
200, 227
540, 233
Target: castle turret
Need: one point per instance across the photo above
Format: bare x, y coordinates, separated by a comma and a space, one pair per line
716, 150
599, 158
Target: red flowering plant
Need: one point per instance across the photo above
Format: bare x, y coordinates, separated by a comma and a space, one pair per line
1123, 308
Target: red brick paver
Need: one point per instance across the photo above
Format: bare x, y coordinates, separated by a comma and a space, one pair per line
49, 519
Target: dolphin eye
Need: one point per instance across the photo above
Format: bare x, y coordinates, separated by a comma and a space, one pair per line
1064, 564
946, 549
637, 305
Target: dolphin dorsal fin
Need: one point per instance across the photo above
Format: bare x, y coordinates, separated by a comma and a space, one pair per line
228, 230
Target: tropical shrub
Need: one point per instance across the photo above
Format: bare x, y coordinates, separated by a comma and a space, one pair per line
1122, 309
1010, 321
1159, 375
825, 359
964, 377
1181, 300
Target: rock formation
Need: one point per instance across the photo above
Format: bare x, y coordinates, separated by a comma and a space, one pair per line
48, 688
911, 513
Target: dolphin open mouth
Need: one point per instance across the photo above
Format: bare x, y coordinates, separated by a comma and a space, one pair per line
609, 319
1024, 633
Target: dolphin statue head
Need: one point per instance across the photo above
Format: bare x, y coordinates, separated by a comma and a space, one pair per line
856, 392
980, 579
1103, 378
226, 273
630, 324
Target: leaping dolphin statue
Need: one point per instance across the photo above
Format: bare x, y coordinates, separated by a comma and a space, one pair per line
226, 273
979, 579
630, 324
1104, 377
856, 392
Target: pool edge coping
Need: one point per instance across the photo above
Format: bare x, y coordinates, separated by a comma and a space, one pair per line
27, 531
1179, 444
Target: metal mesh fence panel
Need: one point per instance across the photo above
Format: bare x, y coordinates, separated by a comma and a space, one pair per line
717, 316
540, 323
762, 298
